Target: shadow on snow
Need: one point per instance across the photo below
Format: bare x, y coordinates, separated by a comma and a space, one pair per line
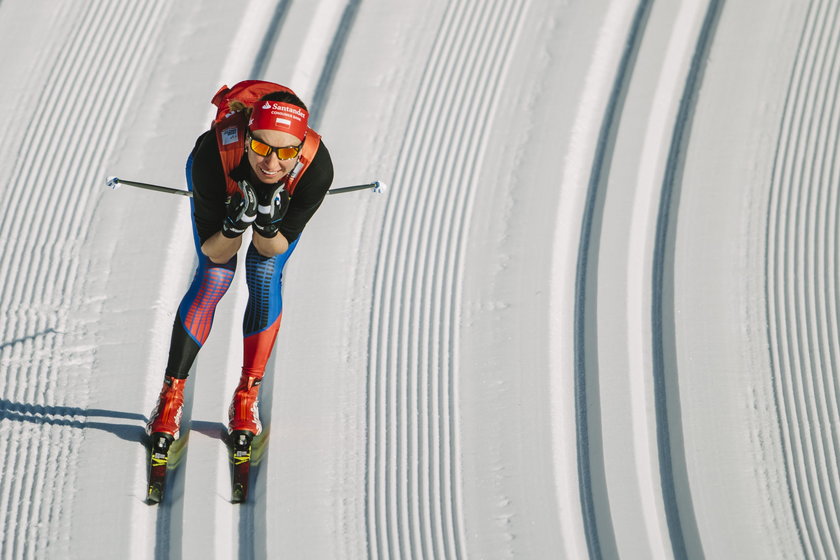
75, 417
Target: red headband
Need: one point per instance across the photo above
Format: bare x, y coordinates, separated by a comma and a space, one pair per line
276, 115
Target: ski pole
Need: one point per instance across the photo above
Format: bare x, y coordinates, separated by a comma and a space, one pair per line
116, 182
376, 186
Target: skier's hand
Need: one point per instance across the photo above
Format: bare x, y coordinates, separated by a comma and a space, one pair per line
272, 206
241, 211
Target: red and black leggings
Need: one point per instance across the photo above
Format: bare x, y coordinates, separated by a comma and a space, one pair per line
262, 313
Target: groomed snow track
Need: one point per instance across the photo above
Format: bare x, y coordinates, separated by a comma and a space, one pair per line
595, 317
802, 276
48, 322
415, 507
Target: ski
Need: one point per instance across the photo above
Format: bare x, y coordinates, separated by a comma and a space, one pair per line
240, 457
158, 463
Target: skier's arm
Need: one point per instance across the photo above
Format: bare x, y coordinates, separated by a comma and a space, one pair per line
309, 195
208, 186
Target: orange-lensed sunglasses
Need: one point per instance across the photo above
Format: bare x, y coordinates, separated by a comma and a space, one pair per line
264, 150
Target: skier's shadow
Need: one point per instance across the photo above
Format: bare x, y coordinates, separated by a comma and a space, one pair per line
74, 417
215, 430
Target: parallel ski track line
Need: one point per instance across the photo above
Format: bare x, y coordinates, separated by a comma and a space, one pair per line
170, 512
42, 273
269, 40
597, 526
679, 512
249, 526
802, 283
250, 519
413, 501
333, 59
251, 522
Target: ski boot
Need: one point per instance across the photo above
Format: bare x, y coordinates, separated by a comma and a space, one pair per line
166, 416
244, 414
163, 428
244, 424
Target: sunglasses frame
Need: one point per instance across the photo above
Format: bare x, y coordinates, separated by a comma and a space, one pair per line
249, 137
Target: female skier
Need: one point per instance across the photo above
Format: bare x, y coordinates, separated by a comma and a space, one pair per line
261, 167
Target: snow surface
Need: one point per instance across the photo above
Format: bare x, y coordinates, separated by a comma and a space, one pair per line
595, 316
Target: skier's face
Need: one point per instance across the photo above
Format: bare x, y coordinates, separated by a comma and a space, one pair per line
270, 168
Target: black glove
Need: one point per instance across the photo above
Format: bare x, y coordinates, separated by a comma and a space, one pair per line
241, 211
272, 206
